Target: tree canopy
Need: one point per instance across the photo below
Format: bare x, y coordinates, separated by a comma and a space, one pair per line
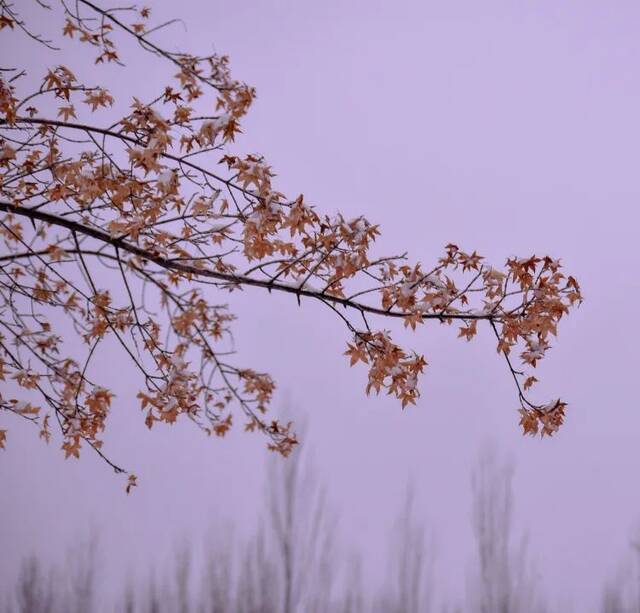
129, 219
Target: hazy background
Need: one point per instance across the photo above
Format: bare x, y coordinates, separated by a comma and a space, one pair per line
506, 127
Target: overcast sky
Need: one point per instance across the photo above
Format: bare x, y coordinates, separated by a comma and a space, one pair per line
506, 127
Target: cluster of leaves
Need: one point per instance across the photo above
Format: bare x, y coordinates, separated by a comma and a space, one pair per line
97, 214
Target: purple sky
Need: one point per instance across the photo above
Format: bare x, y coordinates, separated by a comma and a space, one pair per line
506, 127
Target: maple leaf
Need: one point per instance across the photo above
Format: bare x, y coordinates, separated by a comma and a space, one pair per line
72, 447
98, 98
528, 422
357, 354
413, 320
250, 426
469, 331
45, 433
69, 28
66, 112
223, 427
52, 80
25, 408
132, 481
6, 22
55, 253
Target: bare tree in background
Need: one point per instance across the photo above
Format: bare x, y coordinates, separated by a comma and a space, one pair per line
43, 590
292, 564
221, 574
182, 577
82, 577
303, 533
257, 588
35, 589
150, 602
353, 597
504, 582
621, 593
613, 600
288, 566
412, 587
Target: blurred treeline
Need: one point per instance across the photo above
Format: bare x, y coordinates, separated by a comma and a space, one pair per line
292, 563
